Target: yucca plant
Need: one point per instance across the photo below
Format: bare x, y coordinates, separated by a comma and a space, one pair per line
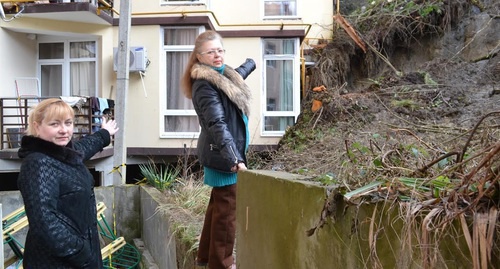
158, 176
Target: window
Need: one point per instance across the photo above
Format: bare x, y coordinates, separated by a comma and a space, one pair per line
183, 2
282, 87
280, 8
179, 117
68, 68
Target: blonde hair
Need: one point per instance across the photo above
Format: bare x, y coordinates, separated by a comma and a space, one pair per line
186, 81
50, 109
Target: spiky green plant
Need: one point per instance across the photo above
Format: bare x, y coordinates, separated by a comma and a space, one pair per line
158, 176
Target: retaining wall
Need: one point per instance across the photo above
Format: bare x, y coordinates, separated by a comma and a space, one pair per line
276, 210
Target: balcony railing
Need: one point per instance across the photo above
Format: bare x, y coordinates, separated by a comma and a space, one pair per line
91, 11
14, 117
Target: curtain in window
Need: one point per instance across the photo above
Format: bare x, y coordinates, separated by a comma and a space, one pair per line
175, 97
287, 82
51, 80
286, 91
280, 8
82, 73
82, 79
176, 60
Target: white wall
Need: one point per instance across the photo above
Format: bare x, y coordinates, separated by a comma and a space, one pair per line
17, 56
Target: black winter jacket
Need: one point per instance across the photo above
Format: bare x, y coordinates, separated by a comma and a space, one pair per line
219, 101
58, 194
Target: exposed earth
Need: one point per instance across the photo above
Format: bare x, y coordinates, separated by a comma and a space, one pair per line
430, 73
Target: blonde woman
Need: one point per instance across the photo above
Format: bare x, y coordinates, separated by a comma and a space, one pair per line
58, 189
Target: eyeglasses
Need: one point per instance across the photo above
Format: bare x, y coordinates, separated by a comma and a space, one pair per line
213, 52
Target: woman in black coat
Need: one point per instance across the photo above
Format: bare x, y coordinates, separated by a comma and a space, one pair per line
58, 189
222, 102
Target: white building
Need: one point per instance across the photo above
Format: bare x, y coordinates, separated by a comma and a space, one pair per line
68, 48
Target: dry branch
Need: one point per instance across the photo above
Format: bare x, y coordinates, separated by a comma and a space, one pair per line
350, 31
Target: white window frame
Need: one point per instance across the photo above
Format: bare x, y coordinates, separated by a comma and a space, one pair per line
295, 58
183, 2
66, 62
296, 16
163, 88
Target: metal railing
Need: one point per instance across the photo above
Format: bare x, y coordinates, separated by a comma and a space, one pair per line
14, 119
16, 7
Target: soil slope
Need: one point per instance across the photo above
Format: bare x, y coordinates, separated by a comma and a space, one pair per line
416, 94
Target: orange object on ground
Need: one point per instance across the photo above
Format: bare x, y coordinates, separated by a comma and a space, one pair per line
319, 88
316, 105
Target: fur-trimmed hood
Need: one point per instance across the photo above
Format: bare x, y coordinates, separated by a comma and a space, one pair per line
231, 83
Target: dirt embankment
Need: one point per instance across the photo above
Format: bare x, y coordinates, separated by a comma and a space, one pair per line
428, 76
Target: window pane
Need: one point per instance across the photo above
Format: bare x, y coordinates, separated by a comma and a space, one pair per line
279, 85
82, 78
181, 124
51, 50
51, 80
176, 62
184, 36
82, 49
277, 123
285, 46
280, 8
179, 116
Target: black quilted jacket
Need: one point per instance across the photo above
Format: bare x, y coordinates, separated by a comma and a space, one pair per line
219, 101
58, 194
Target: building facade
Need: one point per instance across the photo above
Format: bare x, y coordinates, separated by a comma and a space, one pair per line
69, 49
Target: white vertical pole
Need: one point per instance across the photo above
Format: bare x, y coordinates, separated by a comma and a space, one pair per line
122, 81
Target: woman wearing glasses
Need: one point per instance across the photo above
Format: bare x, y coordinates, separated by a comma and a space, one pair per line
222, 102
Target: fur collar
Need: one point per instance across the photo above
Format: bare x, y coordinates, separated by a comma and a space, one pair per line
231, 83
31, 144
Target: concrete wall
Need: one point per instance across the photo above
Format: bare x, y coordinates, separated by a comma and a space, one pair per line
156, 233
275, 209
